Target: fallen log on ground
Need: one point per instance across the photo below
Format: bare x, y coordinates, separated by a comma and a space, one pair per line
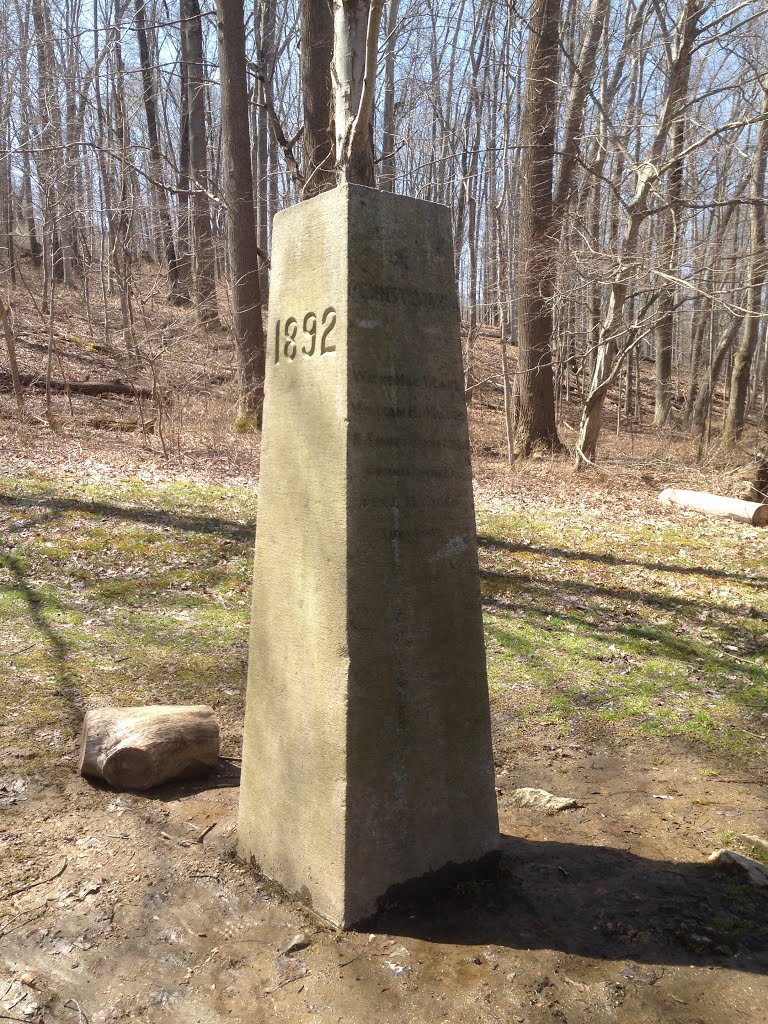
137, 748
122, 426
752, 512
77, 387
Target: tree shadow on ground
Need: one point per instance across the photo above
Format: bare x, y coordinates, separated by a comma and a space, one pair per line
38, 607
597, 902
229, 528
35, 605
625, 594
42, 605
617, 561
641, 623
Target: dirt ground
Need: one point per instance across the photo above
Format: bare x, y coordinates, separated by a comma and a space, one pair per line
606, 912
117, 906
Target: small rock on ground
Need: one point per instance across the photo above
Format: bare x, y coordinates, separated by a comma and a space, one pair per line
300, 941
729, 860
541, 800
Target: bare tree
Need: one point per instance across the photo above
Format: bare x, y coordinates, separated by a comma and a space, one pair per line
758, 270
177, 289
241, 225
205, 261
680, 51
537, 243
317, 133
353, 73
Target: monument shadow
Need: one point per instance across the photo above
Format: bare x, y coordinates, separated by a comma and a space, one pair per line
598, 902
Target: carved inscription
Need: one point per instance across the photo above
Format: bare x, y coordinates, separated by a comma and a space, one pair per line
404, 380
397, 295
410, 429
373, 440
305, 336
410, 412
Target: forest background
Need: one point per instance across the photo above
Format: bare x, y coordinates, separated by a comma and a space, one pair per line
605, 166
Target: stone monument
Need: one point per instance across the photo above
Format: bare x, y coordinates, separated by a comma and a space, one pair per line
367, 753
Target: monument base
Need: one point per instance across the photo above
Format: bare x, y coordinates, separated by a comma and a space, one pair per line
367, 757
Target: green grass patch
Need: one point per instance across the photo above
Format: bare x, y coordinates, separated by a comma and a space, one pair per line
119, 594
655, 632
123, 593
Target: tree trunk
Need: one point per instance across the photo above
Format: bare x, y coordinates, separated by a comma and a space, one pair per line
10, 346
387, 177
316, 56
241, 224
177, 292
205, 262
581, 80
754, 513
49, 113
27, 119
646, 174
670, 236
697, 347
706, 391
742, 362
264, 20
183, 240
353, 73
537, 244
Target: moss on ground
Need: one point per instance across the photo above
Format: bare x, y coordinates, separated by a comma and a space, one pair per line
120, 594
653, 630
123, 593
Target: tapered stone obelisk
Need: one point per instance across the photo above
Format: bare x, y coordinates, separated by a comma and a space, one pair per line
367, 754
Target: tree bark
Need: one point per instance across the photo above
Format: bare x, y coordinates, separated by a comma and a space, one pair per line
742, 362
264, 20
241, 224
177, 293
669, 240
754, 513
49, 113
316, 57
581, 80
10, 345
353, 73
183, 241
387, 176
707, 389
537, 243
205, 261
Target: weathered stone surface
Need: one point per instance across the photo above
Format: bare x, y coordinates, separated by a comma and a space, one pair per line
367, 758
729, 860
541, 800
756, 846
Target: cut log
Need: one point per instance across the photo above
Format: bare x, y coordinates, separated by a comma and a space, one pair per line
137, 748
751, 512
